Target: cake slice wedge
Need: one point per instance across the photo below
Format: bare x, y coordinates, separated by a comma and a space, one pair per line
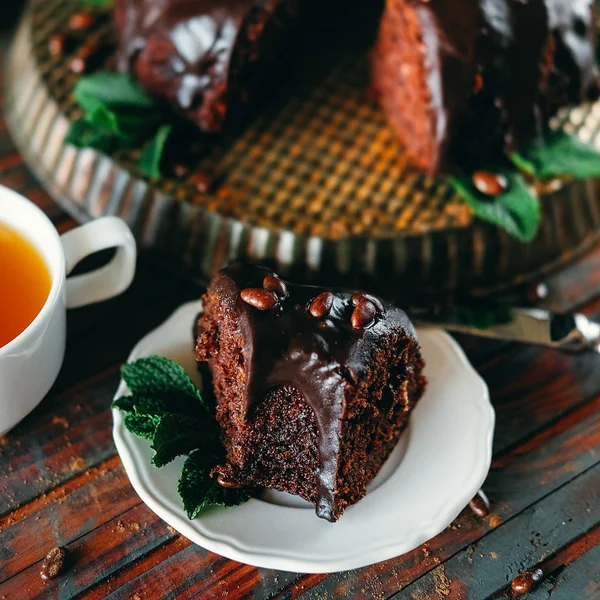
313, 387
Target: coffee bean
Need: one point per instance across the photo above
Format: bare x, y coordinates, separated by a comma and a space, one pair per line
259, 298
321, 306
81, 20
53, 564
57, 44
86, 54
490, 184
525, 582
274, 284
363, 315
361, 297
480, 505
223, 481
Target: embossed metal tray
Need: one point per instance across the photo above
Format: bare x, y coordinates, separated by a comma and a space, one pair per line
316, 186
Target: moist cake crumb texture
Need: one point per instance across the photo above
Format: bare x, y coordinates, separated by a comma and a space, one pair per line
312, 387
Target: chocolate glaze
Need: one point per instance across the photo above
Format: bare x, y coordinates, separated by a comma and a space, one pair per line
322, 358
199, 55
497, 69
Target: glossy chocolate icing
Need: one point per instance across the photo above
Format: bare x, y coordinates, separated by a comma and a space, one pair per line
520, 50
323, 358
193, 52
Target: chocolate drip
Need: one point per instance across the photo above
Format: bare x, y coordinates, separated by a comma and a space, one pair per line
323, 358
502, 68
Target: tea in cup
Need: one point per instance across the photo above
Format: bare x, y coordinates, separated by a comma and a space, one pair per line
35, 292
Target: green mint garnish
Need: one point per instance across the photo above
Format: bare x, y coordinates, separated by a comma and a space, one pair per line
558, 154
156, 375
99, 3
119, 115
152, 153
113, 90
517, 210
166, 408
199, 491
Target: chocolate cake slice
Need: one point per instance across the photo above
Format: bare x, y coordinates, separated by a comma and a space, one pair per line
208, 59
461, 81
313, 387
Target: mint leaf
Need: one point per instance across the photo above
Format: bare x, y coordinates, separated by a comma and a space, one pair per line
111, 90
149, 162
166, 408
143, 426
517, 210
97, 2
175, 435
481, 317
83, 134
199, 491
168, 402
155, 376
130, 126
558, 154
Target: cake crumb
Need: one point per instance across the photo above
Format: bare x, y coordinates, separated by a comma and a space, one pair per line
494, 555
442, 583
77, 463
495, 521
60, 421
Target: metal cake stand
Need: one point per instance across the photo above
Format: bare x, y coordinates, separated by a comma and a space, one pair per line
315, 186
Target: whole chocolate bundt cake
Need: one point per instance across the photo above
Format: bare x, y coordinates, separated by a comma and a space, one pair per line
462, 81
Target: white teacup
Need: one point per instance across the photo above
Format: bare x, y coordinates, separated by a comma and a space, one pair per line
29, 364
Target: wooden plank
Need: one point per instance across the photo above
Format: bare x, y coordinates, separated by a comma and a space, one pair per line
480, 350
579, 578
516, 481
520, 544
18, 178
71, 429
60, 439
190, 572
576, 442
87, 342
531, 386
573, 418
107, 549
63, 515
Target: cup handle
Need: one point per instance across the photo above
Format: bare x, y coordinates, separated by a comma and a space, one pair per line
111, 279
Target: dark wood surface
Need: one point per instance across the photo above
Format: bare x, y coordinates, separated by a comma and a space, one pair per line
62, 483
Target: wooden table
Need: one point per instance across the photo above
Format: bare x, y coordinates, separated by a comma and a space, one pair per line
62, 484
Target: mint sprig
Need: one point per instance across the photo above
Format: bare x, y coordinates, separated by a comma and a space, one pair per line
119, 115
517, 210
152, 154
558, 154
98, 3
200, 492
166, 408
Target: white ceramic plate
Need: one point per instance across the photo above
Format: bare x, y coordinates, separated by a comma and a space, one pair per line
438, 466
